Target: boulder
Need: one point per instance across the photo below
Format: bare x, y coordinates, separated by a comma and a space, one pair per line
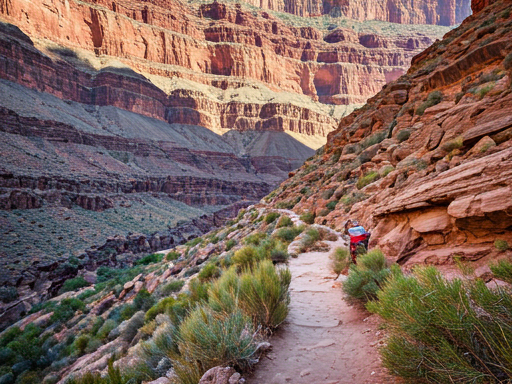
221, 375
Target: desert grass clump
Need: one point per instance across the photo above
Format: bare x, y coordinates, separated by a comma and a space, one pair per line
172, 287
403, 135
279, 253
502, 270
367, 179
264, 294
209, 272
442, 331
288, 234
211, 339
74, 284
433, 98
230, 244
246, 257
271, 217
501, 245
340, 259
172, 255
452, 144
309, 239
284, 221
367, 277
255, 238
308, 217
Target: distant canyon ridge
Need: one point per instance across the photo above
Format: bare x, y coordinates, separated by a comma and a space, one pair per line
128, 118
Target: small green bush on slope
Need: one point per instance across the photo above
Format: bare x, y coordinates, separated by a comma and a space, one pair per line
367, 277
446, 331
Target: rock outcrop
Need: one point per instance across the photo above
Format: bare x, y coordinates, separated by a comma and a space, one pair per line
426, 163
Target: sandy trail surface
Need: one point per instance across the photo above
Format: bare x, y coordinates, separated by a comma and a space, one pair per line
324, 339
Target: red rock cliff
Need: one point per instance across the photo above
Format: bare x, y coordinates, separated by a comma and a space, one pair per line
443, 12
193, 54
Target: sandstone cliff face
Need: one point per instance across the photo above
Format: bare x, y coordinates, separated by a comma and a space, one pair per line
426, 163
446, 12
214, 47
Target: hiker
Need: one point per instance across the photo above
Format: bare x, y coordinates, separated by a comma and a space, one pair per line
359, 239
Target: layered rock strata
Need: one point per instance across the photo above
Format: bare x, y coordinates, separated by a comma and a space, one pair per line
446, 12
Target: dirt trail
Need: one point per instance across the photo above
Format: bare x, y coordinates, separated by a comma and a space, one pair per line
324, 340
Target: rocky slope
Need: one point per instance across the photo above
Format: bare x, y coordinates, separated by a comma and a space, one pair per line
447, 12
121, 313
426, 164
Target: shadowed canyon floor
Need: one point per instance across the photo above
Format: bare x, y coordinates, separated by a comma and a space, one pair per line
324, 339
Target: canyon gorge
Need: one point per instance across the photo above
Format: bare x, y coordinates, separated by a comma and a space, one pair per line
128, 119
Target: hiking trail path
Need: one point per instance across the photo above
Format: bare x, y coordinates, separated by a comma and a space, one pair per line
324, 340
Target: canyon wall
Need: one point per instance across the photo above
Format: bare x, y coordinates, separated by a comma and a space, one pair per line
444, 12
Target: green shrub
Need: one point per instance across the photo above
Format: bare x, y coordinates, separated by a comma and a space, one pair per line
403, 135
336, 155
340, 259
323, 212
271, 217
172, 255
230, 244
445, 331
367, 276
373, 139
209, 272
246, 257
331, 205
284, 221
158, 308
502, 270
143, 301
86, 294
350, 199
367, 179
150, 259
113, 377
80, 343
105, 329
255, 238
214, 339
501, 245
173, 286
452, 144
308, 217
505, 14
433, 98
309, 239
262, 294
193, 242
386, 170
66, 310
73, 284
279, 253
481, 92
288, 234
